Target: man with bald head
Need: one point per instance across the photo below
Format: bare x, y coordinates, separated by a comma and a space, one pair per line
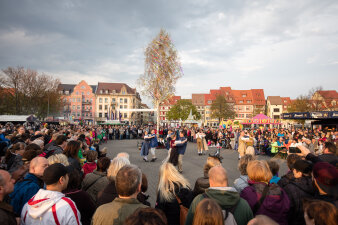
7, 215
227, 197
26, 189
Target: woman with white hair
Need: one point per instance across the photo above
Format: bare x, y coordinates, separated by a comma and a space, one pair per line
172, 189
109, 192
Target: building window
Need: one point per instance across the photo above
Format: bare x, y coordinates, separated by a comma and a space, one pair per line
241, 101
100, 114
78, 107
90, 107
247, 108
125, 100
113, 99
209, 102
125, 115
73, 107
100, 100
275, 110
248, 115
244, 95
107, 91
249, 101
105, 107
106, 115
100, 107
82, 93
83, 87
77, 93
125, 106
121, 106
276, 117
101, 93
78, 114
67, 92
88, 93
121, 100
123, 92
106, 100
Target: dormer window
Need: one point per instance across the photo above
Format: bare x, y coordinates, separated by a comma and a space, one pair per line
244, 95
101, 92
107, 91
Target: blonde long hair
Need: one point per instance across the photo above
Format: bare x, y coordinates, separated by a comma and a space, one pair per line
168, 178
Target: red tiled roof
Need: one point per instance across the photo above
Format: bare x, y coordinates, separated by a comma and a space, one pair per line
114, 86
330, 94
198, 99
286, 101
171, 101
275, 100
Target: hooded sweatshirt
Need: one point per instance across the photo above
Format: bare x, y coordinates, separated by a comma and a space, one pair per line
50, 207
226, 197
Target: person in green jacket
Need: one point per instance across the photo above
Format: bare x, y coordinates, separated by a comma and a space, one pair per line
226, 197
274, 146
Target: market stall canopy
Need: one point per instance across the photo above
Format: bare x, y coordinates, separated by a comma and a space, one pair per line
261, 119
15, 118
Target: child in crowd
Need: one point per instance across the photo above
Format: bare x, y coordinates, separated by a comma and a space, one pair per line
90, 165
274, 168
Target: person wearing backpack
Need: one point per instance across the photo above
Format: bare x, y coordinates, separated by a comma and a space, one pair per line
233, 206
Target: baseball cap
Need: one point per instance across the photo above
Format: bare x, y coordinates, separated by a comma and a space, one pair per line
326, 176
54, 172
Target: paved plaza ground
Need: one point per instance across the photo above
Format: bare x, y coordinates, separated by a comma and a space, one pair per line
192, 163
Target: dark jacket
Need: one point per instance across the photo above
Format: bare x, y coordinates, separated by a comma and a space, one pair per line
298, 189
75, 164
201, 184
286, 179
108, 194
276, 204
171, 208
53, 149
95, 182
14, 162
181, 147
7, 216
84, 204
330, 158
25, 190
226, 198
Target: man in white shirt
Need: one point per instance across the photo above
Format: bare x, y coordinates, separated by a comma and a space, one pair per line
50, 206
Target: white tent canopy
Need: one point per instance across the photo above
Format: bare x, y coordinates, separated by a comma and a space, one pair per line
13, 118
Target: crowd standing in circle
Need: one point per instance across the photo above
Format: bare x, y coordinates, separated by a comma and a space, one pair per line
52, 174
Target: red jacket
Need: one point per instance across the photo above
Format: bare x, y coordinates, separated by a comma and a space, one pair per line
88, 167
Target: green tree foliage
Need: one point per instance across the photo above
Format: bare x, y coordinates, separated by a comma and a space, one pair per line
182, 109
221, 109
161, 72
25, 91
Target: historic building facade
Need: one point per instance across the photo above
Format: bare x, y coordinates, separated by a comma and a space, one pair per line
113, 100
78, 102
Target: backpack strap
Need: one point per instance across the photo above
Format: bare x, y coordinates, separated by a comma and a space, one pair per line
231, 209
261, 200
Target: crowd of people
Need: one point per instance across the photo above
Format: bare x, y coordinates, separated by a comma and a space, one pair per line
55, 174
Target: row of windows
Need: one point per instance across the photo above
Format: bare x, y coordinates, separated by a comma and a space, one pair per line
105, 115
244, 115
122, 100
79, 114
78, 100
